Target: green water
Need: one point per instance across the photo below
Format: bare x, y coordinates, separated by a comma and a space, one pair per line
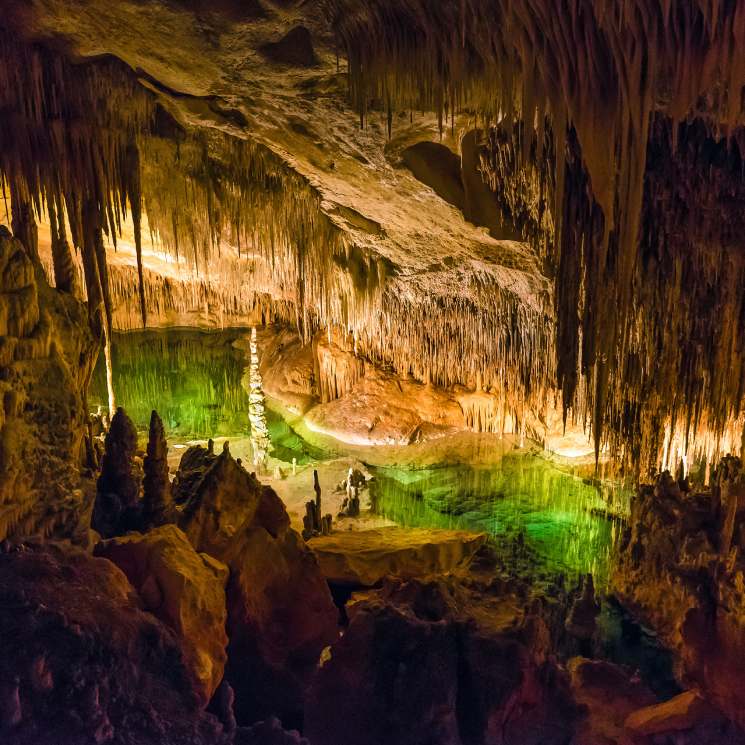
193, 380
528, 506
532, 510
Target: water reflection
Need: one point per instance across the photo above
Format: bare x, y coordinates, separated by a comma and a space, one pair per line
192, 378
521, 501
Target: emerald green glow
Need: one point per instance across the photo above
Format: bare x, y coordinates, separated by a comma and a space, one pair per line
192, 379
522, 494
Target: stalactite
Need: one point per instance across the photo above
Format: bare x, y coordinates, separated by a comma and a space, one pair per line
134, 193
65, 272
594, 72
23, 223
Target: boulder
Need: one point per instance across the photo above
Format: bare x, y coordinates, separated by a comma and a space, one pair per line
431, 661
683, 712
182, 588
280, 611
85, 662
365, 557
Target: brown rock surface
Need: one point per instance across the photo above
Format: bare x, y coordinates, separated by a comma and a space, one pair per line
608, 693
182, 588
117, 508
364, 557
280, 611
92, 667
421, 663
682, 712
46, 360
672, 573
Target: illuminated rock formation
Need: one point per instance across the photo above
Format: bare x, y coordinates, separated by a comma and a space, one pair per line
681, 569
260, 442
182, 588
469, 678
46, 358
280, 612
86, 656
365, 557
117, 508
157, 507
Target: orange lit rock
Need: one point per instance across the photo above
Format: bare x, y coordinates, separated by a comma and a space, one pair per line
280, 611
184, 589
364, 557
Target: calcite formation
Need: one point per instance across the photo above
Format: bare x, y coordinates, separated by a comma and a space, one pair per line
47, 354
280, 611
681, 569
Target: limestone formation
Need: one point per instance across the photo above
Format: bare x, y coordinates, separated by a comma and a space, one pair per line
280, 611
582, 619
157, 504
365, 557
417, 665
182, 588
103, 657
673, 571
117, 507
46, 360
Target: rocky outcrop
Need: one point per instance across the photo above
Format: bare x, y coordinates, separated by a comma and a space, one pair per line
365, 557
607, 695
47, 355
82, 663
420, 663
280, 611
117, 508
681, 569
683, 713
157, 504
182, 588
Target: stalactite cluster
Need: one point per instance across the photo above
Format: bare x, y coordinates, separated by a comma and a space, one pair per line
246, 227
595, 72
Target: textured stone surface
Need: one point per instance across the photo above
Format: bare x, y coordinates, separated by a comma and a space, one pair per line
182, 588
280, 611
420, 664
364, 557
673, 573
46, 360
90, 665
683, 712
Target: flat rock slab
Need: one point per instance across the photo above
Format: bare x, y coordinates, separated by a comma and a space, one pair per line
364, 557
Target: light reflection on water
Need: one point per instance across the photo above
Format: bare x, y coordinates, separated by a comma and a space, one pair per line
193, 379
522, 500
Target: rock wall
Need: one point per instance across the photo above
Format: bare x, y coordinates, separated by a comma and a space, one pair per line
47, 353
681, 569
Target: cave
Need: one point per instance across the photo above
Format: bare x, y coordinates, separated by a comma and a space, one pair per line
372, 372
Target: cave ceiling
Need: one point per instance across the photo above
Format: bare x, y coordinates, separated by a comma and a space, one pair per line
324, 153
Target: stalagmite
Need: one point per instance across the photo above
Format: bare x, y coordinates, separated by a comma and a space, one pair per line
156, 487
116, 509
260, 441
